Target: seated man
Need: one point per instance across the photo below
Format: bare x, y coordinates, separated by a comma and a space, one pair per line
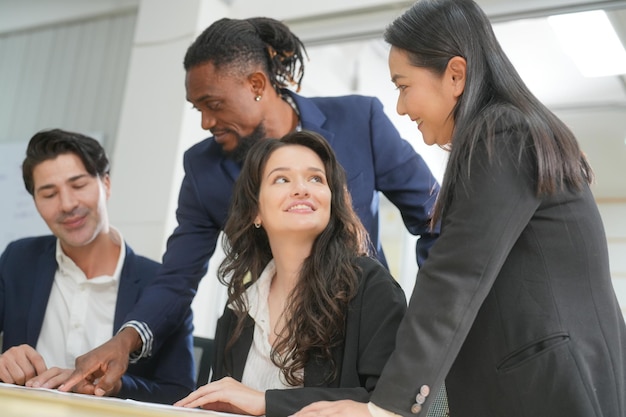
63, 295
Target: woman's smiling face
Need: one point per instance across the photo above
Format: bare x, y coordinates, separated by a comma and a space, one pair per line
294, 194
426, 97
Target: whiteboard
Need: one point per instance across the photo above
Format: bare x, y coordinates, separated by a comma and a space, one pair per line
18, 215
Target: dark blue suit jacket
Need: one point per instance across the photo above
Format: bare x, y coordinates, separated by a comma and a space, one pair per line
367, 145
27, 269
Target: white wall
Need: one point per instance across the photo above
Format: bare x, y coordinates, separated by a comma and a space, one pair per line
68, 74
21, 15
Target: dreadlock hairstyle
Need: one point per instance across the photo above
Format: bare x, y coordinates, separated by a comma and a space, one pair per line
258, 41
316, 308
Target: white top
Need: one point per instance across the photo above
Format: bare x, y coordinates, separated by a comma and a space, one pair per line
80, 311
376, 411
260, 373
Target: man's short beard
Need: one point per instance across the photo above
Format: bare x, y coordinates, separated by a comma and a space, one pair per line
245, 143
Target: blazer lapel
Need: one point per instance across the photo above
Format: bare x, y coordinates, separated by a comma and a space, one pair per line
236, 358
311, 117
231, 168
128, 290
43, 278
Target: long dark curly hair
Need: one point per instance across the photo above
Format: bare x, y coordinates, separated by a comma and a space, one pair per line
316, 309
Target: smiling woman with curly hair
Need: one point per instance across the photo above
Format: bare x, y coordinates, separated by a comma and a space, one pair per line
310, 315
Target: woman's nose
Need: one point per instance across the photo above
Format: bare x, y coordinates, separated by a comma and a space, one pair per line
300, 189
400, 107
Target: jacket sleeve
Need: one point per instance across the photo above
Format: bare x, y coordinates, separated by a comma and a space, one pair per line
490, 208
166, 377
404, 178
185, 262
371, 326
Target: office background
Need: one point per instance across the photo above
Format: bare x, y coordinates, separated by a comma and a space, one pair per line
113, 69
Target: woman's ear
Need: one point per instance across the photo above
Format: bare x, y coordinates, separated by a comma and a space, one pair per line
456, 71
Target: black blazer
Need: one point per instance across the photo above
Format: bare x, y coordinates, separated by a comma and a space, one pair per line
515, 304
371, 324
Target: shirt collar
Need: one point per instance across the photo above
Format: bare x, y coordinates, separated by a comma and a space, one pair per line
293, 105
67, 266
256, 294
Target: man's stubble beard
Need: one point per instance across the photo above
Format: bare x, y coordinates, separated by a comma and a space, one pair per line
245, 143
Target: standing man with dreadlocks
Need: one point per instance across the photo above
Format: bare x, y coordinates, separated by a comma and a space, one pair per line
237, 74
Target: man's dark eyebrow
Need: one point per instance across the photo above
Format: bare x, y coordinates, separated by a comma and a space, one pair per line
44, 187
77, 177
199, 99
71, 179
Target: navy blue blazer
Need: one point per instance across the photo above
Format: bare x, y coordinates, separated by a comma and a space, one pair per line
367, 145
27, 269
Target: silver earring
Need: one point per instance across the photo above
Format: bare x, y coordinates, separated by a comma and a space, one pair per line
257, 225
257, 98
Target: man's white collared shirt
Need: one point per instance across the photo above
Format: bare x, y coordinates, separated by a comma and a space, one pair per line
80, 311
